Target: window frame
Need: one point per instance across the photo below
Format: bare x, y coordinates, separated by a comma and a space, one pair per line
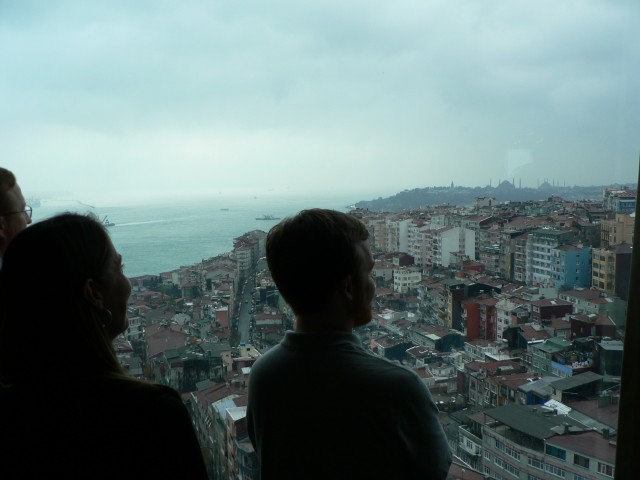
626, 453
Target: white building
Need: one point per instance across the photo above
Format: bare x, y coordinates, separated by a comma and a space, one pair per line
405, 278
509, 310
397, 236
448, 240
539, 261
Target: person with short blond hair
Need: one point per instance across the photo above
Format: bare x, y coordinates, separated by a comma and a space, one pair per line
320, 406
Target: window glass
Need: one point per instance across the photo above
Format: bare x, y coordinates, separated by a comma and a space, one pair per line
185, 125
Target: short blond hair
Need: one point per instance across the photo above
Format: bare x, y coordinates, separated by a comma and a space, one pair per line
310, 253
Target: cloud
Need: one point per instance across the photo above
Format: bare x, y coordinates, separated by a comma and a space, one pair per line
317, 95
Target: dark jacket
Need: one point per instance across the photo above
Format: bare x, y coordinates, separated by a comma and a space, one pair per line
96, 428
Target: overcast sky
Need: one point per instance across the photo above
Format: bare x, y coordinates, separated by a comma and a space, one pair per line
107, 98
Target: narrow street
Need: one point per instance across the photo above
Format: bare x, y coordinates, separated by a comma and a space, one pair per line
245, 312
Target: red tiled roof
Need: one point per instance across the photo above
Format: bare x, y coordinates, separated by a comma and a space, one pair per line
423, 372
530, 334
560, 323
160, 339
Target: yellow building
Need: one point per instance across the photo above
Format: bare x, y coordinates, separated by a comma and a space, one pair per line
618, 230
611, 269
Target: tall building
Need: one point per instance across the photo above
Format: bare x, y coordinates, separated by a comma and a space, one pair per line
618, 230
247, 249
611, 270
448, 240
571, 266
540, 244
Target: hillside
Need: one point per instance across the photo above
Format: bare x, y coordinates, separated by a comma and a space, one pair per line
465, 196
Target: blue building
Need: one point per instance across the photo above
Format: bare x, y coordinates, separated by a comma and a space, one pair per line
571, 266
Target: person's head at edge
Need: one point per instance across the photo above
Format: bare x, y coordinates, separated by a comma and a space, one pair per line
321, 264
13, 215
63, 296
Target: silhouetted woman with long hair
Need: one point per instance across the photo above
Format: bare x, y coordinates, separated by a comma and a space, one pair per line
67, 408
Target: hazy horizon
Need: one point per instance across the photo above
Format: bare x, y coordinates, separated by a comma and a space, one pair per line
63, 198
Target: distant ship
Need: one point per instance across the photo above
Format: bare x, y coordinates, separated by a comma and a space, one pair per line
267, 217
104, 220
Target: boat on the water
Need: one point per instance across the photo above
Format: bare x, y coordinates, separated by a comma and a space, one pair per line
104, 220
267, 217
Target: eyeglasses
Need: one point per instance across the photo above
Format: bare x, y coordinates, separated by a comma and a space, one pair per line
27, 212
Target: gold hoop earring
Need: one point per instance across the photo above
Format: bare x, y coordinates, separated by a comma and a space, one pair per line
108, 322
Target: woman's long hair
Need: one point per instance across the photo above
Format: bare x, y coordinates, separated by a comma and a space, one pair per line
48, 330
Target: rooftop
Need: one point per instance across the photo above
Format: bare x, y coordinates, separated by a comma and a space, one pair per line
576, 381
591, 444
533, 421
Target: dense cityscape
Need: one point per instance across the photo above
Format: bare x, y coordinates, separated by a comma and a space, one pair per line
512, 313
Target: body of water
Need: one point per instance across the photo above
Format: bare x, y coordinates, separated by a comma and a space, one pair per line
159, 237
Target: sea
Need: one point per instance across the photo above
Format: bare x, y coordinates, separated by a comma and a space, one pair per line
155, 237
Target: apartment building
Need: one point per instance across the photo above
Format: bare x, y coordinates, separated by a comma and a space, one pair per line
479, 317
611, 270
539, 356
588, 301
479, 225
620, 201
537, 443
520, 272
571, 266
405, 279
397, 235
247, 249
232, 455
242, 462
510, 311
618, 230
377, 228
592, 325
548, 308
448, 240
478, 386
539, 260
